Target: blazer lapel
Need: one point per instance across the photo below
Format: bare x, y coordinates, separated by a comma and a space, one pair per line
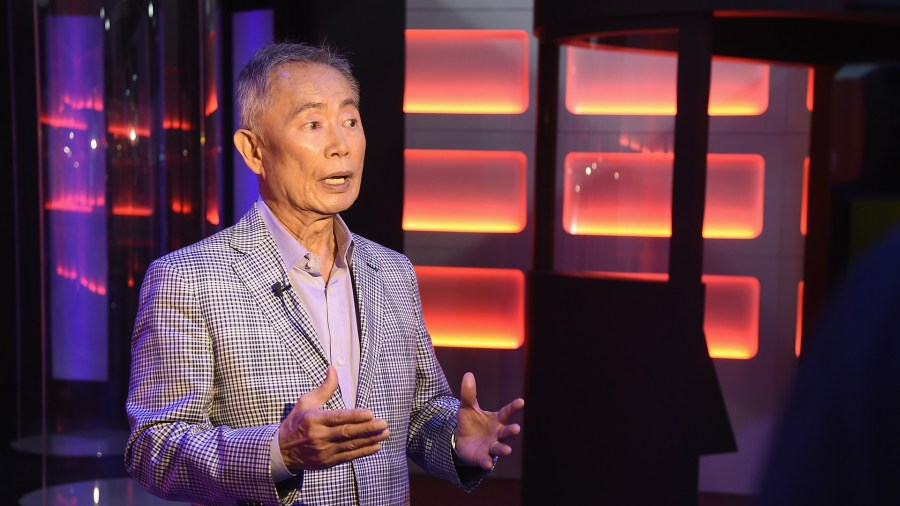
260, 268
369, 287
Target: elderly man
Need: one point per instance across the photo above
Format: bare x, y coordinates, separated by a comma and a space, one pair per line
285, 360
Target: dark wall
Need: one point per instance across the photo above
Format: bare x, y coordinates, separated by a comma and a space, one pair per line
372, 34
20, 344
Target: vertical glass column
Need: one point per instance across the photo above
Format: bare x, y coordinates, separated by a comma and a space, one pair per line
131, 142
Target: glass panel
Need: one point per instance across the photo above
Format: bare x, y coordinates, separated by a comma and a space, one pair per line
630, 194
611, 80
614, 170
752, 317
76, 197
615, 153
131, 137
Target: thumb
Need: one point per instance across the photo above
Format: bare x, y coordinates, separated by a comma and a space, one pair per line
318, 396
468, 393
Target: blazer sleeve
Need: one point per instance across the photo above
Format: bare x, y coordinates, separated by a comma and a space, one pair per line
173, 449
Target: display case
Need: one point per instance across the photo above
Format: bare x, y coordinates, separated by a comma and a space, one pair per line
684, 234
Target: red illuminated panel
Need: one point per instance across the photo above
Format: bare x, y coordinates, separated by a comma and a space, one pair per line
212, 213
731, 314
630, 194
804, 199
799, 333
810, 81
64, 121
131, 210
212, 101
181, 205
731, 322
176, 124
91, 100
465, 191
128, 131
77, 202
466, 71
473, 308
643, 82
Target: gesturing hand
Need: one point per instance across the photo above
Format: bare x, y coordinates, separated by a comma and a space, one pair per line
314, 438
479, 433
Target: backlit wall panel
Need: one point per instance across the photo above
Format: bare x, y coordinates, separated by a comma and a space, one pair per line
630, 194
804, 198
642, 82
473, 307
467, 71
731, 321
465, 191
798, 334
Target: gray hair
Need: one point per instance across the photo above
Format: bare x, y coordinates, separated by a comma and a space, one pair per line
251, 91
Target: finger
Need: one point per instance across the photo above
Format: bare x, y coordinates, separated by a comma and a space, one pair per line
508, 431
371, 428
361, 447
358, 452
318, 396
468, 393
500, 449
510, 409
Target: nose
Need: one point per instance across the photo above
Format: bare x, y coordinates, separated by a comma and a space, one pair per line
337, 144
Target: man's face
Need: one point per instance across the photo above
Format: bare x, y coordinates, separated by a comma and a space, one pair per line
313, 143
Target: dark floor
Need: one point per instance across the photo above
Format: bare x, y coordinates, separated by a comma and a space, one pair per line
429, 491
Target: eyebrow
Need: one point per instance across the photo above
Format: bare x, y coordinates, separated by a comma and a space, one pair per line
320, 105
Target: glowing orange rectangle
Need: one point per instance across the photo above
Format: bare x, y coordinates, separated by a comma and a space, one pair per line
810, 86
465, 191
643, 82
731, 320
466, 72
731, 312
472, 307
630, 194
798, 333
804, 197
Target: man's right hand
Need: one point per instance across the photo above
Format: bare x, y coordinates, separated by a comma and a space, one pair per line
315, 438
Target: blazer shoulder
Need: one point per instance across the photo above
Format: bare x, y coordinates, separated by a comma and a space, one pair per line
373, 252
222, 246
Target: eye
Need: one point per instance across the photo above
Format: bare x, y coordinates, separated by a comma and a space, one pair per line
352, 122
314, 125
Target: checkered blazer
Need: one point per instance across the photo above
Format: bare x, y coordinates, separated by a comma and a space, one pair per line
219, 359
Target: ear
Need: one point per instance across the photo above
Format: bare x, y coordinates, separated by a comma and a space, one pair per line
249, 146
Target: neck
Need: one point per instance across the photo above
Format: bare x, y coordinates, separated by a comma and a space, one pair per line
316, 235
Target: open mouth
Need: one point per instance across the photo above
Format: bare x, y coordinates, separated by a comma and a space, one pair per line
335, 180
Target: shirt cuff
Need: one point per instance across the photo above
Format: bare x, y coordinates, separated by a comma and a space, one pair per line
279, 470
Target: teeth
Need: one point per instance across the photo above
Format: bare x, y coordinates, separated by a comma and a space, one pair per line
336, 180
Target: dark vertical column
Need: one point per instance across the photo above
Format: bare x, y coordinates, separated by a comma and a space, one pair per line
704, 421
820, 249
226, 30
20, 216
545, 155
691, 146
372, 34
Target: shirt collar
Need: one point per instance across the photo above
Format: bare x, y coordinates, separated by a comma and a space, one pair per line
290, 248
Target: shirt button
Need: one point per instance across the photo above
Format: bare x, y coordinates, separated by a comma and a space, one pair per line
340, 362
